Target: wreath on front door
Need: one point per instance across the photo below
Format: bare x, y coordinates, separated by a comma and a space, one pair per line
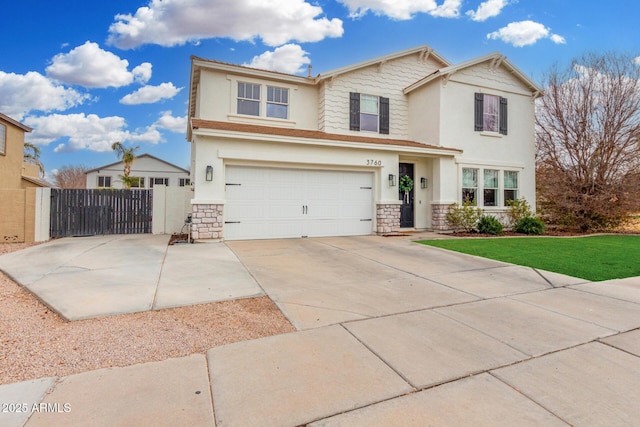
406, 185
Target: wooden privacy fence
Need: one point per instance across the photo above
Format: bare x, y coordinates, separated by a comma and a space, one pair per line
105, 211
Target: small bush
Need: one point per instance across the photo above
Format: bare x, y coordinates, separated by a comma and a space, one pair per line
490, 225
518, 209
530, 225
463, 218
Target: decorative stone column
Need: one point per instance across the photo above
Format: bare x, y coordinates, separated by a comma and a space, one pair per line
207, 222
387, 218
439, 217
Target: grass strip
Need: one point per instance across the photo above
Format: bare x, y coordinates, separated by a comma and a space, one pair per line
593, 258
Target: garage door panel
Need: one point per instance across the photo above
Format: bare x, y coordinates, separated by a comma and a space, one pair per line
281, 203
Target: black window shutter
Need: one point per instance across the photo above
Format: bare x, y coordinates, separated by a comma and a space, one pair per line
354, 111
479, 110
503, 116
384, 116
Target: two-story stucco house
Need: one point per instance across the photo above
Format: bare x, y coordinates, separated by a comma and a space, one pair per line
149, 169
277, 155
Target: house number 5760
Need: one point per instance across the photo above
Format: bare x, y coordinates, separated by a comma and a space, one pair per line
374, 162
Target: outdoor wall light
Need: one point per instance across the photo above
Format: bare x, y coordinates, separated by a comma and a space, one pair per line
209, 175
392, 180
423, 182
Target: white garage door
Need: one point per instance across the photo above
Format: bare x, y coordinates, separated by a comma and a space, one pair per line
267, 203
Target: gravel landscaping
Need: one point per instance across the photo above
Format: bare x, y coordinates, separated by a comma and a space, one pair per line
35, 342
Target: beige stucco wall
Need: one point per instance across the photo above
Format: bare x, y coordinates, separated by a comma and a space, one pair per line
454, 126
11, 160
12, 212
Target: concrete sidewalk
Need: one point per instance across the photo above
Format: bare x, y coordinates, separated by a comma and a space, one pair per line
85, 277
394, 333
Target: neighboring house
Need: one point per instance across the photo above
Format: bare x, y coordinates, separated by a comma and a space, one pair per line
275, 155
150, 169
18, 181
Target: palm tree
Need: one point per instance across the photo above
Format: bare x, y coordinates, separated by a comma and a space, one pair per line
128, 156
32, 155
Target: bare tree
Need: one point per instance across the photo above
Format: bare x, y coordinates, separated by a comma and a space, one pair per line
587, 141
71, 176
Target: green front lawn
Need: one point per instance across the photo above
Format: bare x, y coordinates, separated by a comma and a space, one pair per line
593, 258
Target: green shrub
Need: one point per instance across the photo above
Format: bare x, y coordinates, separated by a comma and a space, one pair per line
518, 209
463, 218
530, 225
490, 225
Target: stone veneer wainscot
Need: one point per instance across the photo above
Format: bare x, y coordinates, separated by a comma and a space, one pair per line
207, 222
439, 217
387, 218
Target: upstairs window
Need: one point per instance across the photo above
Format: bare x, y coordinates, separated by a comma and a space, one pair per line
248, 99
490, 113
277, 102
369, 116
3, 139
368, 113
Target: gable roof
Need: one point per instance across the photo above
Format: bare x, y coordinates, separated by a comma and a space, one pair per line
15, 123
137, 157
424, 50
314, 134
497, 60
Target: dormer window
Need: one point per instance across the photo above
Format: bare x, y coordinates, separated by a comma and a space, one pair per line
248, 99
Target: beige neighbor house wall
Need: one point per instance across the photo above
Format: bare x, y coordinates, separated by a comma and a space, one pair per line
18, 184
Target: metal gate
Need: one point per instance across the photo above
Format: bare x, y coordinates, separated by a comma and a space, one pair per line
95, 212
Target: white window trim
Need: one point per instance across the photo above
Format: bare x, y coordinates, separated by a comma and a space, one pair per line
479, 202
3, 142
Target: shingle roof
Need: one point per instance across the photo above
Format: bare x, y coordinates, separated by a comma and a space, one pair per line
310, 134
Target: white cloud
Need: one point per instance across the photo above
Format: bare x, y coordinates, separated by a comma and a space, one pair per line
289, 58
142, 73
151, 94
90, 66
636, 60
488, 9
173, 124
524, 33
557, 39
175, 22
403, 9
86, 132
21, 93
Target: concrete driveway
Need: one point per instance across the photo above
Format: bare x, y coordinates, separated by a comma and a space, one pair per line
391, 333
85, 277
324, 281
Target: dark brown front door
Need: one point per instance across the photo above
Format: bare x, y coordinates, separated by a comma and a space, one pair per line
406, 210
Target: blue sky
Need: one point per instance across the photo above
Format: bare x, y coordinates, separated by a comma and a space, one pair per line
86, 74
